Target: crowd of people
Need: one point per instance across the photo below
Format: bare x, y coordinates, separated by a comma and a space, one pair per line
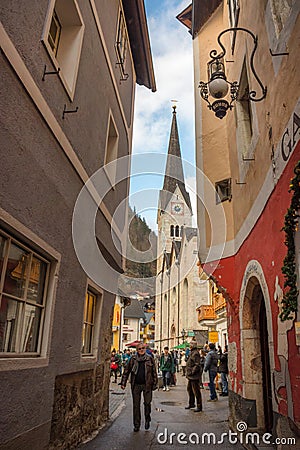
150, 370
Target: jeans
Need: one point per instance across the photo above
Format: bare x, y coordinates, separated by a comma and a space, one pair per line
166, 377
224, 382
212, 376
137, 391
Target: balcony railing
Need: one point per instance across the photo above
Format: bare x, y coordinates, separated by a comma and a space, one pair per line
206, 312
219, 302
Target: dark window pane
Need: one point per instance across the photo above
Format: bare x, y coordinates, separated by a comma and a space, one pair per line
16, 271
3, 243
10, 324
32, 319
37, 281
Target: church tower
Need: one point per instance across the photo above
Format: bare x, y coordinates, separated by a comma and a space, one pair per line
179, 291
174, 208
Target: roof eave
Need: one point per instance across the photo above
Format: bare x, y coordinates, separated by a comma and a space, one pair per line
136, 21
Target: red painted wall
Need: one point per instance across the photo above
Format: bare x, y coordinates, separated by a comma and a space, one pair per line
265, 244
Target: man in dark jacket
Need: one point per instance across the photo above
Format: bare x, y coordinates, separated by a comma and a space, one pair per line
223, 369
211, 365
193, 374
143, 379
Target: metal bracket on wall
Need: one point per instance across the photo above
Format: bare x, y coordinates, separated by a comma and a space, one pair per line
248, 159
53, 72
239, 182
65, 111
278, 54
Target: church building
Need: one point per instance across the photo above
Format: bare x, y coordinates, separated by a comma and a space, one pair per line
179, 289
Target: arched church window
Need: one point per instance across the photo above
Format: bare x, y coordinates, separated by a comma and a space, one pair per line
177, 234
172, 230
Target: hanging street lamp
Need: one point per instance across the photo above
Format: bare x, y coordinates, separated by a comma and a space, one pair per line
218, 86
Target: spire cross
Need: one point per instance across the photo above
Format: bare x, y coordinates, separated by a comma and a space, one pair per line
174, 105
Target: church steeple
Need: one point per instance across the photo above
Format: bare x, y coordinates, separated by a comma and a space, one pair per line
174, 171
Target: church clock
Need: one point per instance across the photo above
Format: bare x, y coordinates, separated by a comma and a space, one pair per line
177, 208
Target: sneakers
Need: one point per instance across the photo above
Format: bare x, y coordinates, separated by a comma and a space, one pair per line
136, 429
167, 389
189, 407
198, 409
224, 394
147, 424
212, 399
164, 388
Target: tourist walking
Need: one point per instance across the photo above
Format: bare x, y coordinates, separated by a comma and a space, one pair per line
143, 379
115, 364
223, 369
211, 365
183, 363
167, 368
193, 374
202, 361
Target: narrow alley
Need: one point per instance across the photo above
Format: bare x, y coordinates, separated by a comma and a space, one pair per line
172, 427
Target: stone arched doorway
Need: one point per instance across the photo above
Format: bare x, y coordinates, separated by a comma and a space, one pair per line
256, 351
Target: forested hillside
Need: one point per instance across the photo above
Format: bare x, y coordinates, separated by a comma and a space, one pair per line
140, 238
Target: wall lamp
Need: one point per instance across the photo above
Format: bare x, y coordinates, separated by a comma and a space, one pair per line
218, 85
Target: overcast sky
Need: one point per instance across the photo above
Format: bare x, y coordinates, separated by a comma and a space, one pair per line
171, 46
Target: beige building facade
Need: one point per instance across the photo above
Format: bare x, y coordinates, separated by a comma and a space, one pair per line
251, 157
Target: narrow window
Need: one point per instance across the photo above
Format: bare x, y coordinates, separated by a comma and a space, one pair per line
88, 323
62, 37
121, 46
244, 115
234, 12
177, 231
281, 10
111, 153
54, 33
223, 190
172, 231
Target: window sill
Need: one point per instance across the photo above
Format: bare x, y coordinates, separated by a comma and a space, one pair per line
22, 362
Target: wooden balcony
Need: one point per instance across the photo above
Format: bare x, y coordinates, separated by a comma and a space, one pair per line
219, 302
206, 312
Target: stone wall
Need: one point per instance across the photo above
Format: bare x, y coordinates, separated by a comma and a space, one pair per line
80, 407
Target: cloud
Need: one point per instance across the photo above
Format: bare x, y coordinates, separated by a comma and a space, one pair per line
171, 46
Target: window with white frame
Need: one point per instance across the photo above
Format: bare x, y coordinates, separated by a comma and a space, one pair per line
111, 153
23, 288
121, 45
62, 37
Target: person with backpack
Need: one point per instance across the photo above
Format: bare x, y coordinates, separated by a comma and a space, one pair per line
211, 365
167, 368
